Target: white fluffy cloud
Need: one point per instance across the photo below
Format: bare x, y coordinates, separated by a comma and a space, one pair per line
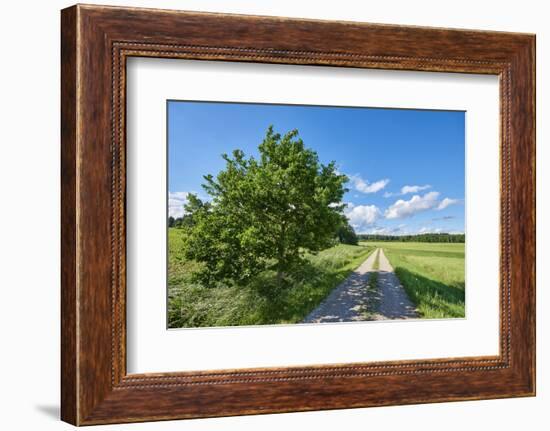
446, 202
365, 187
408, 189
176, 201
407, 208
403, 208
361, 216
414, 189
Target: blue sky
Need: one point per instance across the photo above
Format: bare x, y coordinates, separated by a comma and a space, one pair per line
406, 167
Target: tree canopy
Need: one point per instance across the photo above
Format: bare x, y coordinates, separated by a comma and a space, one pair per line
346, 234
264, 212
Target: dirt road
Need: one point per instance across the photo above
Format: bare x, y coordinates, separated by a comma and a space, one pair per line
348, 301
390, 301
352, 301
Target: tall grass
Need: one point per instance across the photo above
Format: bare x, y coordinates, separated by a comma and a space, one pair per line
432, 275
261, 301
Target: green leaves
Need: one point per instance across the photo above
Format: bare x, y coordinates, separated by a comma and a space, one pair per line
346, 234
264, 213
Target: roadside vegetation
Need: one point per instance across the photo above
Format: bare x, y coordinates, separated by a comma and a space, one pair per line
261, 300
432, 275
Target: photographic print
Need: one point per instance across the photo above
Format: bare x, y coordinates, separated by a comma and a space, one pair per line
299, 214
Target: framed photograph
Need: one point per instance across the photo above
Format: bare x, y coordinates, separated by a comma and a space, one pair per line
265, 214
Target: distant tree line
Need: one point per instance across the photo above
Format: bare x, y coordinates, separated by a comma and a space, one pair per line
423, 237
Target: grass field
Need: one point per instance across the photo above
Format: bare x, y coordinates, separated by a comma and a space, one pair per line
431, 273
260, 302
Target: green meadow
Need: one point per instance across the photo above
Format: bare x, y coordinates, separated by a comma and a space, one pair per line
431, 273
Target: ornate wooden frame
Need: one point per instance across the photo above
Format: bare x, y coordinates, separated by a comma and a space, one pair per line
95, 43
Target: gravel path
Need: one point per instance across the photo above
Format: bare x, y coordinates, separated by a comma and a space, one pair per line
393, 302
347, 302
351, 301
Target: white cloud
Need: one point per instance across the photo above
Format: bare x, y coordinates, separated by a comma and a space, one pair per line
414, 189
403, 209
360, 216
446, 202
176, 201
430, 230
408, 189
364, 186
385, 230
403, 229
379, 230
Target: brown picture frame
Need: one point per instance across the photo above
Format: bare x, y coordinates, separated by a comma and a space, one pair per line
95, 43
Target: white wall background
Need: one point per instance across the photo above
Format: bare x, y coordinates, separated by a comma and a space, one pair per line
29, 214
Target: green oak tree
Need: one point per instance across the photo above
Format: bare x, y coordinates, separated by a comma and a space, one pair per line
265, 212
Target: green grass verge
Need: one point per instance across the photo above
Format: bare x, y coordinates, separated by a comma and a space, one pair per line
369, 309
260, 302
432, 275
373, 276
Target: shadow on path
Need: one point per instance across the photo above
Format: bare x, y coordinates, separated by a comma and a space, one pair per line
348, 301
